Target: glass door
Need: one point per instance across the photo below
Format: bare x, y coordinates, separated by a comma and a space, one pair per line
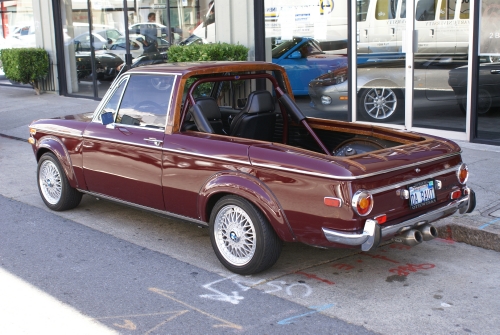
487, 105
440, 64
91, 29
381, 57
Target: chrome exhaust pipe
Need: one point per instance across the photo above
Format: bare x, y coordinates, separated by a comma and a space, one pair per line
428, 231
411, 237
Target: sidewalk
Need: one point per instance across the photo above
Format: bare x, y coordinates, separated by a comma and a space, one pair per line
480, 228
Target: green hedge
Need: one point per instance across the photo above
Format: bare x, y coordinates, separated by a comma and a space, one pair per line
25, 65
207, 52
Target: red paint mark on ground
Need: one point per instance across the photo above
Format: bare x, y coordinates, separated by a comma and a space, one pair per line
313, 276
400, 247
406, 270
447, 241
384, 258
449, 234
360, 261
343, 266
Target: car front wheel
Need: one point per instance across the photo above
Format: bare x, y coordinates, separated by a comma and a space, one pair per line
53, 185
242, 237
379, 104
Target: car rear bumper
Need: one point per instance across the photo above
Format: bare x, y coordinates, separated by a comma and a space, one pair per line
373, 233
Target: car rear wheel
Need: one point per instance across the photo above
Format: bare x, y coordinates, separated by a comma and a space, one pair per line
379, 104
484, 102
53, 185
242, 237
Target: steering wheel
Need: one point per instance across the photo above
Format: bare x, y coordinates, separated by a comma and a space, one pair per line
161, 84
149, 106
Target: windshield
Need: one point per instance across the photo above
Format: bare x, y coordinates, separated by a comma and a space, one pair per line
284, 47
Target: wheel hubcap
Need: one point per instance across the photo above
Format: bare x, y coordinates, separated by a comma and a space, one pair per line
235, 235
50, 182
380, 103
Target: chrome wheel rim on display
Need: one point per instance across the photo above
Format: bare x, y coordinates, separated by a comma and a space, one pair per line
235, 235
50, 182
380, 103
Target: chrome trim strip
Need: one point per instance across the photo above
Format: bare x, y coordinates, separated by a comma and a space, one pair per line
150, 146
323, 175
55, 133
414, 180
149, 209
370, 229
208, 156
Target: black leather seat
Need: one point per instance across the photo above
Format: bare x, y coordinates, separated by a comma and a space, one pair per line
207, 116
257, 119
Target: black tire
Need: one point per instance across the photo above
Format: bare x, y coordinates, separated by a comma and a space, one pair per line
231, 218
484, 102
53, 185
382, 104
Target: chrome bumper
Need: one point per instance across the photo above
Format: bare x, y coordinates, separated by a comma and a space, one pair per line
373, 233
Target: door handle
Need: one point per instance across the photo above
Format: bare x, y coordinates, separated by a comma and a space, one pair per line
154, 141
495, 71
432, 32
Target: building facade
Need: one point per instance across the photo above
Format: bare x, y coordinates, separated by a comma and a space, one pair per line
434, 69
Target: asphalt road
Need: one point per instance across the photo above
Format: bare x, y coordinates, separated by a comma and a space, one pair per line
134, 273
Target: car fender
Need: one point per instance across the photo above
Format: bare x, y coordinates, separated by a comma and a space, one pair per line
253, 190
54, 145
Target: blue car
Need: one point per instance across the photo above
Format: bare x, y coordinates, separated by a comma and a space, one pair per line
304, 60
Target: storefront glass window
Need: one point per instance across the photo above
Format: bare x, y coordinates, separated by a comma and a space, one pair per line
17, 27
488, 95
309, 39
95, 37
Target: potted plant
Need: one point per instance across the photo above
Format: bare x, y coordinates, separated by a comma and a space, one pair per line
25, 65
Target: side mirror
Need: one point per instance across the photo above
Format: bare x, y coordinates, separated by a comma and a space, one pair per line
107, 118
295, 55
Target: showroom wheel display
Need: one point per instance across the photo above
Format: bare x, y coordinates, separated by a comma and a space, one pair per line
53, 185
242, 237
379, 104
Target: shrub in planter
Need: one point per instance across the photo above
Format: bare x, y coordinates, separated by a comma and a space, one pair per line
207, 52
26, 65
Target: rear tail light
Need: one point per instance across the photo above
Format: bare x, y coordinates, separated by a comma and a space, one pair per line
381, 219
362, 202
456, 194
463, 173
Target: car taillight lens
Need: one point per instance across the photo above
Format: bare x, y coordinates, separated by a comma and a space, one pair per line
463, 173
362, 202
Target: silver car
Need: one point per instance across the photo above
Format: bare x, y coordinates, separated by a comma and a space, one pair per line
381, 87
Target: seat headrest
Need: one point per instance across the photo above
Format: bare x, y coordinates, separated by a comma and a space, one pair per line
209, 107
259, 101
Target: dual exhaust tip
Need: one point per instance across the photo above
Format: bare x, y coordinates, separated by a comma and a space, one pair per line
413, 237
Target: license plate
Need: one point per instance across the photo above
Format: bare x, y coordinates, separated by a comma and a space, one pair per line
422, 194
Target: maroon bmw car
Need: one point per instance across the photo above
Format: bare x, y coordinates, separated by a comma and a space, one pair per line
199, 142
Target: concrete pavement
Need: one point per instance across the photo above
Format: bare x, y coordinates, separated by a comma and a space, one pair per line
480, 228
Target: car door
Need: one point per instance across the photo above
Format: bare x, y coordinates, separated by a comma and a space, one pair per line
123, 159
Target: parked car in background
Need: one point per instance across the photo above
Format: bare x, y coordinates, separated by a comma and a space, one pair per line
103, 39
171, 139
106, 64
304, 60
381, 87
138, 46
488, 91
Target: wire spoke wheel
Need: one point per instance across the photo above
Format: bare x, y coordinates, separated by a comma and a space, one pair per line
235, 235
50, 182
53, 184
242, 237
